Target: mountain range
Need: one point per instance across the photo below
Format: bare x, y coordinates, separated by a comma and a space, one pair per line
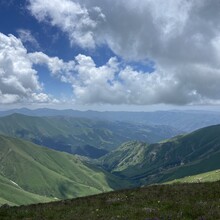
184, 120
175, 158
86, 137
34, 166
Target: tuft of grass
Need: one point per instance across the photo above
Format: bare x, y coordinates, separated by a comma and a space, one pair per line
175, 201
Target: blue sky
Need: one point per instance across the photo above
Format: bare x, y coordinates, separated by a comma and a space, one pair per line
107, 55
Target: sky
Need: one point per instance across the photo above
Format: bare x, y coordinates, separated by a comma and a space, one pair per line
110, 55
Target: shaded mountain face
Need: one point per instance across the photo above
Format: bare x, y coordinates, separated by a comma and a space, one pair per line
89, 151
92, 138
30, 173
181, 156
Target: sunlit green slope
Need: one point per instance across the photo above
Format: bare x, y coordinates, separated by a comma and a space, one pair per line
48, 173
13, 194
203, 177
191, 154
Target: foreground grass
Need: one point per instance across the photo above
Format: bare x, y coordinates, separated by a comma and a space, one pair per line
179, 201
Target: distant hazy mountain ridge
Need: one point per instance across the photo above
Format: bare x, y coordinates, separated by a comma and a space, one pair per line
92, 138
185, 121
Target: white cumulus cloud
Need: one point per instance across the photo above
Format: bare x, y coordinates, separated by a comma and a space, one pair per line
181, 37
57, 66
18, 80
71, 17
114, 84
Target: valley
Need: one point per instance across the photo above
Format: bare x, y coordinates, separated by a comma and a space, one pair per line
42, 174
45, 159
109, 110
175, 158
82, 136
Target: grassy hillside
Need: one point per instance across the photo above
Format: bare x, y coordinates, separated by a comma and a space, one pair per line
68, 133
191, 154
33, 173
203, 177
127, 155
48, 173
178, 201
12, 194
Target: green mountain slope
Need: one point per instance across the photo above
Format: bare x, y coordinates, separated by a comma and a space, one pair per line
70, 134
203, 177
12, 194
127, 155
39, 170
191, 154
